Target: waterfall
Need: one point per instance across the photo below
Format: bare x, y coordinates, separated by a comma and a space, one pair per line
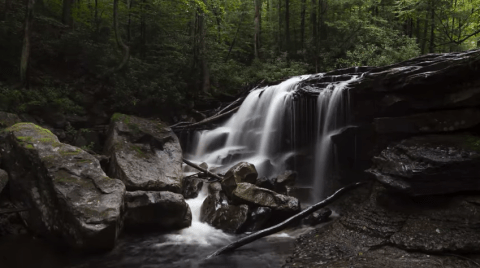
332, 115
255, 134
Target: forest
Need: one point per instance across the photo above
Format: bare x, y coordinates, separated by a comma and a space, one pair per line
152, 57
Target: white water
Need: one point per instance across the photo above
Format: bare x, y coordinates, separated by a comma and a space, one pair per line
332, 115
199, 233
252, 134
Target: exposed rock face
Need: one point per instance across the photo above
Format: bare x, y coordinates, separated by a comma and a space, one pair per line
433, 164
440, 121
191, 187
145, 155
382, 227
259, 219
266, 183
217, 212
285, 182
158, 211
248, 193
71, 200
241, 172
3, 179
317, 217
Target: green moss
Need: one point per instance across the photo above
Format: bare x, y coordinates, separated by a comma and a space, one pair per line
473, 143
29, 146
118, 117
139, 151
84, 161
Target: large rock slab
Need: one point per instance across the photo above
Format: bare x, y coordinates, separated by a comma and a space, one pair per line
250, 194
433, 164
3, 179
158, 211
71, 200
145, 155
440, 121
391, 229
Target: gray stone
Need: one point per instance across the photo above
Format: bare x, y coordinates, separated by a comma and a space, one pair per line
247, 193
433, 164
144, 154
241, 172
191, 187
258, 219
285, 182
157, 211
71, 200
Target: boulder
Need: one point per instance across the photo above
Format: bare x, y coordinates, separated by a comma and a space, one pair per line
258, 219
71, 200
144, 154
3, 179
317, 217
432, 164
191, 187
241, 172
285, 182
247, 193
8, 119
266, 183
439, 121
158, 211
217, 212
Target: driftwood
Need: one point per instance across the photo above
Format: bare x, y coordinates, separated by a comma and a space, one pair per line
252, 237
208, 120
238, 102
218, 178
9, 211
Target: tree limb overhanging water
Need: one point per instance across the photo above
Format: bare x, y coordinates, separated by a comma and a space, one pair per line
257, 235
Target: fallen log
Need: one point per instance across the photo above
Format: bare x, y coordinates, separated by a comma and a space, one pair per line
218, 178
238, 102
252, 237
9, 211
208, 120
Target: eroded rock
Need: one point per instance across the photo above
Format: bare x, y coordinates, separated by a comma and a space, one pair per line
71, 200
144, 154
433, 164
247, 193
157, 211
241, 172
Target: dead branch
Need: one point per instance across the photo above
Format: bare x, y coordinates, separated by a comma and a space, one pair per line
250, 238
208, 120
9, 211
218, 178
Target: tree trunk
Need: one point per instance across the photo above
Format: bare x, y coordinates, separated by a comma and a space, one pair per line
432, 28
425, 31
302, 24
203, 52
26, 43
143, 32
258, 25
280, 41
129, 25
67, 13
287, 27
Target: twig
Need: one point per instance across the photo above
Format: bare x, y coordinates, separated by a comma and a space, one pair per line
250, 238
13, 210
203, 170
209, 120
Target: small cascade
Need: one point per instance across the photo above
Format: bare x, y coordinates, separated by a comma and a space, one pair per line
259, 133
332, 115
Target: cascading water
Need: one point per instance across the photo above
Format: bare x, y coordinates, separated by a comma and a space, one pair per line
332, 115
254, 134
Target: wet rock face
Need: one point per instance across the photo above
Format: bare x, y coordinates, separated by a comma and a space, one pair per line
217, 212
250, 194
259, 219
241, 172
3, 179
191, 187
380, 230
157, 211
440, 121
285, 182
71, 200
317, 217
433, 164
145, 155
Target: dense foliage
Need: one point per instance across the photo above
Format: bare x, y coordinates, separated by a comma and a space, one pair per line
181, 51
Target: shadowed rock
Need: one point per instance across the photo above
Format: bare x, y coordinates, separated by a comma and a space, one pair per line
70, 198
247, 193
241, 172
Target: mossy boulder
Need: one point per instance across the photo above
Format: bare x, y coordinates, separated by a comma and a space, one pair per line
146, 155
71, 199
156, 211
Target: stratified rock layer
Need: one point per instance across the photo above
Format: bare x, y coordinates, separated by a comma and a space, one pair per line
71, 200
